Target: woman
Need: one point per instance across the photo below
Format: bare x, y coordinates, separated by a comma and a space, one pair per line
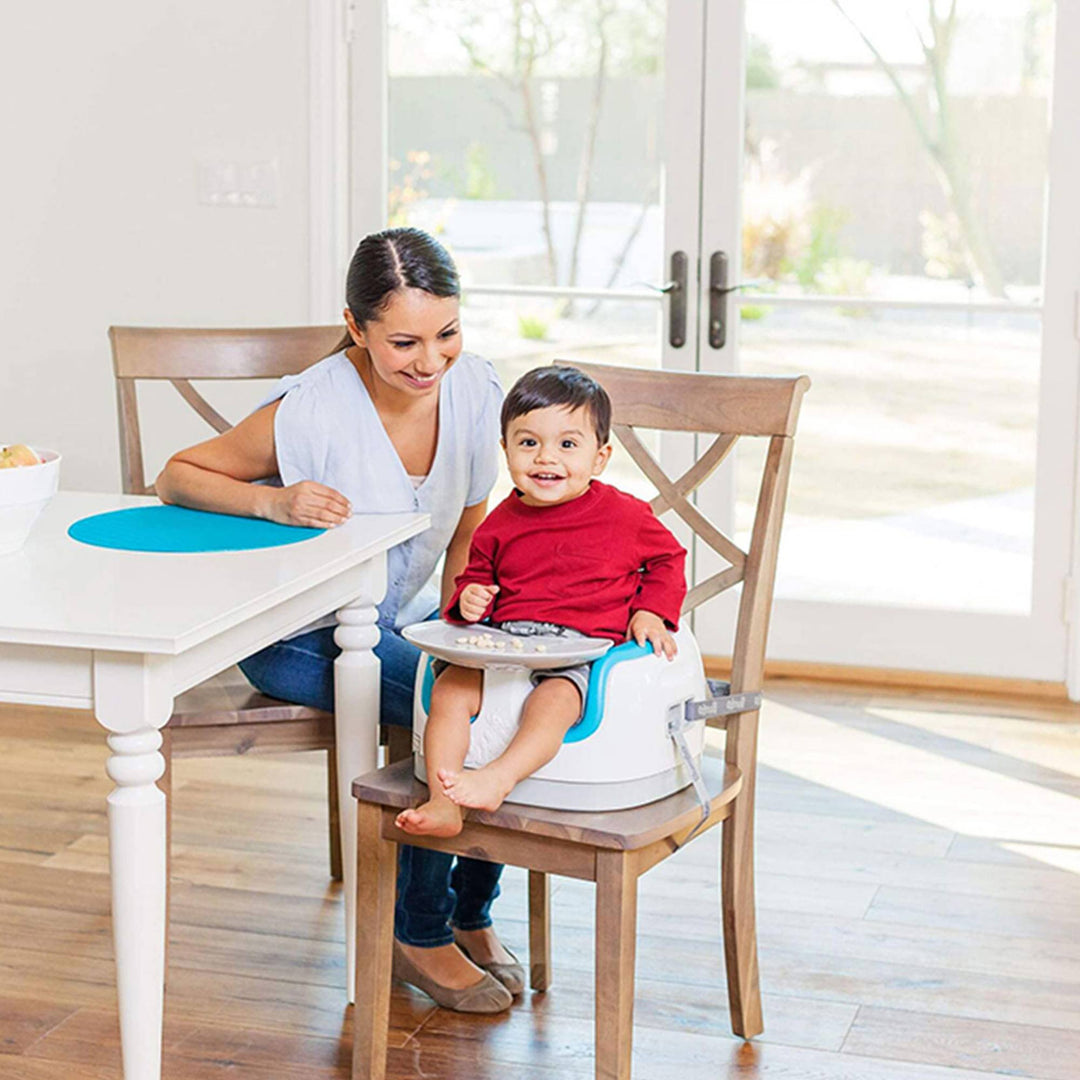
399, 419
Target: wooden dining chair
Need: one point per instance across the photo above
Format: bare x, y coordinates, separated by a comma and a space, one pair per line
225, 716
614, 849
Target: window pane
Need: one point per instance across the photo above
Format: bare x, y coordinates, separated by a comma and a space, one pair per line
874, 168
535, 149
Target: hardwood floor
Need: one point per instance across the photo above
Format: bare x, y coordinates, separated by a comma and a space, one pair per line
918, 914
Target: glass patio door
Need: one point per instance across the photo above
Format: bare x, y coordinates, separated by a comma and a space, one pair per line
886, 181
554, 146
888, 195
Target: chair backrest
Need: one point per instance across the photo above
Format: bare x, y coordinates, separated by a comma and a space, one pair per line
726, 406
178, 356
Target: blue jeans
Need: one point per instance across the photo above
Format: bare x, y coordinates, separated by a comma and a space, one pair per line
430, 898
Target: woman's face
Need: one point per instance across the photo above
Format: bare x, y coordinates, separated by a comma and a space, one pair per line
413, 342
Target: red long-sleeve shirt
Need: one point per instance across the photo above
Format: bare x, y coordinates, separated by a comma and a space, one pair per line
589, 564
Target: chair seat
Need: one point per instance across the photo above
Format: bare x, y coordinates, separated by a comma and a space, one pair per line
395, 787
229, 698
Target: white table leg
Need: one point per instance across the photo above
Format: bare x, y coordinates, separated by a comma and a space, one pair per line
356, 720
129, 700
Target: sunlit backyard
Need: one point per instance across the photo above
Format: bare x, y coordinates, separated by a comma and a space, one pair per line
915, 464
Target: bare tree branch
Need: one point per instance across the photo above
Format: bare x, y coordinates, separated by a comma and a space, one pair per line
635, 230
527, 26
942, 144
891, 74
588, 150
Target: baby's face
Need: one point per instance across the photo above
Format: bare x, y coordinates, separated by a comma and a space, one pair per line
553, 453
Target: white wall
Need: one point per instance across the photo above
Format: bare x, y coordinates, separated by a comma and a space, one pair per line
108, 110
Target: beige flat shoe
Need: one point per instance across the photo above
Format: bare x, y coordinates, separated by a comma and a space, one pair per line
512, 976
487, 996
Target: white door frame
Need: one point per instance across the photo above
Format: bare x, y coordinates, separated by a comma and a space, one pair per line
684, 69
1062, 314
347, 94
1032, 647
328, 158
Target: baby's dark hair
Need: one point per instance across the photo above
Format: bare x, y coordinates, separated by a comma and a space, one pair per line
563, 386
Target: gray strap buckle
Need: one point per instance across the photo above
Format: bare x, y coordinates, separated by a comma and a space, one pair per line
723, 703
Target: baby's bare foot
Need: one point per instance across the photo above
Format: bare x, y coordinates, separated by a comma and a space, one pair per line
436, 817
481, 789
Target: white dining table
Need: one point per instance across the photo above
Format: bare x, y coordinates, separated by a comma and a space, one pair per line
123, 633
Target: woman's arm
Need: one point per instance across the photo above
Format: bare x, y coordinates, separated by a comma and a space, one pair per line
217, 475
457, 554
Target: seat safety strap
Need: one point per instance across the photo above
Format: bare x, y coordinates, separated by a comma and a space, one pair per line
677, 726
697, 712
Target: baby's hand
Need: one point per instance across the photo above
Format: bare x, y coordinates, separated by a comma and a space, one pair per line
645, 626
474, 600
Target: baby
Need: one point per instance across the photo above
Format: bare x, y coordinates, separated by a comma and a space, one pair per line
563, 554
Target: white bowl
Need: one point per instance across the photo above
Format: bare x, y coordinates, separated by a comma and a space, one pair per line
24, 492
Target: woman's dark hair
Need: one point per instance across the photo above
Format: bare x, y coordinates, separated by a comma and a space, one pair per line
394, 259
564, 386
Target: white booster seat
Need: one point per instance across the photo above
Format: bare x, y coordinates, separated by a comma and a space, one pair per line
642, 733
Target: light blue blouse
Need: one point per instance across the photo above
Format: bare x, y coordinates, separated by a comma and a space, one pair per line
327, 430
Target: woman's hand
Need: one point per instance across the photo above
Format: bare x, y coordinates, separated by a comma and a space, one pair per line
645, 626
475, 599
306, 503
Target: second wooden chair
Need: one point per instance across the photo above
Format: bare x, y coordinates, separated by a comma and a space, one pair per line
614, 849
225, 716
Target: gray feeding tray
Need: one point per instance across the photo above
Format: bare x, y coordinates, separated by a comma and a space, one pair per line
441, 640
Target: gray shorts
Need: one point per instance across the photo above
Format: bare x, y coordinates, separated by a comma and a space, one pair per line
578, 674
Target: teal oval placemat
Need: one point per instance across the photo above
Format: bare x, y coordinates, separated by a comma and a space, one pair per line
175, 528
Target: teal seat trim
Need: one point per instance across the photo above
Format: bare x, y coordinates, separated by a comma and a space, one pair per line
598, 681
427, 684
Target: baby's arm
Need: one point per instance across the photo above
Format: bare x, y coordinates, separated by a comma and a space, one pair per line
475, 587
662, 589
655, 609
457, 554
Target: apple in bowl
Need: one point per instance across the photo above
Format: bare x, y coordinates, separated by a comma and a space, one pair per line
11, 457
16, 455
29, 477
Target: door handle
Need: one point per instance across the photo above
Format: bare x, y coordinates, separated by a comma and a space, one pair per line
676, 292
719, 290
718, 294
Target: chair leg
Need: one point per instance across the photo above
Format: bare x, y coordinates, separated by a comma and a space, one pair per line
616, 928
398, 743
539, 930
375, 887
334, 815
740, 930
